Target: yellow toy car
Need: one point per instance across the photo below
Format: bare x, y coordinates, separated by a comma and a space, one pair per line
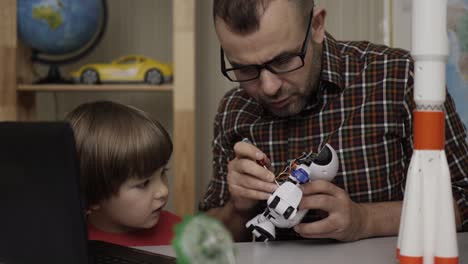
133, 68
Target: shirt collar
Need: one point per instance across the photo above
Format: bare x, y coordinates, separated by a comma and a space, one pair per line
331, 62
331, 81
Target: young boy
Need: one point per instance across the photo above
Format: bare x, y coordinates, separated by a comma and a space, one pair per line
123, 155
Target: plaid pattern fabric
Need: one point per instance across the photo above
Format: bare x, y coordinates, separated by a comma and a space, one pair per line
363, 109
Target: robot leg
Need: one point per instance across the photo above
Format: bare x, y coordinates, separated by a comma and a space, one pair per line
261, 227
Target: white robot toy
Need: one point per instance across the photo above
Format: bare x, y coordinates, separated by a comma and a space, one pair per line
281, 210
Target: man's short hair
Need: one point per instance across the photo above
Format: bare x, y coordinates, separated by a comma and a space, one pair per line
243, 16
116, 142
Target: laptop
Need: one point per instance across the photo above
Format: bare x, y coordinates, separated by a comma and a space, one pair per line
42, 217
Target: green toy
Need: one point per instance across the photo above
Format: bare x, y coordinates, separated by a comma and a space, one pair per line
201, 239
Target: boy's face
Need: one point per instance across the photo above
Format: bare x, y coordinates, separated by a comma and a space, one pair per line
136, 206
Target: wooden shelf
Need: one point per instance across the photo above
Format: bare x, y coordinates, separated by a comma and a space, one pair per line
18, 99
94, 88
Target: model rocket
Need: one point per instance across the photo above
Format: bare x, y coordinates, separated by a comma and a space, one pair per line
427, 229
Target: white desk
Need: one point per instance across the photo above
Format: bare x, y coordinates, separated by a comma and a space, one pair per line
368, 251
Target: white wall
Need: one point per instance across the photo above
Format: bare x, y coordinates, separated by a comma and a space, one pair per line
211, 86
355, 19
401, 26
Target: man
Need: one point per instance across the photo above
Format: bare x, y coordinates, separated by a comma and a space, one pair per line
299, 89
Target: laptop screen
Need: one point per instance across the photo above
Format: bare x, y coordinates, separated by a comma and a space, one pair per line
41, 218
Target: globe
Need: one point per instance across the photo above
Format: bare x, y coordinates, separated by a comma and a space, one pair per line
60, 31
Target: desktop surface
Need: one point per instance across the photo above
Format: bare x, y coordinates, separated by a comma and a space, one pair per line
367, 251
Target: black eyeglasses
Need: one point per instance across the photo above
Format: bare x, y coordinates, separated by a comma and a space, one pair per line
282, 64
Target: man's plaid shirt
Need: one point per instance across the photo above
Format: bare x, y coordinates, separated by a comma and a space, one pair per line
363, 109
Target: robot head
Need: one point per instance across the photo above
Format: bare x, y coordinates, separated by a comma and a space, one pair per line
325, 165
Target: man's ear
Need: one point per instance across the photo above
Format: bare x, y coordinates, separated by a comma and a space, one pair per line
318, 25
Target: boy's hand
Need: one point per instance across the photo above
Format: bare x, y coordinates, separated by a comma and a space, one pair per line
248, 181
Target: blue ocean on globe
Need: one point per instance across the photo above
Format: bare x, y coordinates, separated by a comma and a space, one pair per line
58, 27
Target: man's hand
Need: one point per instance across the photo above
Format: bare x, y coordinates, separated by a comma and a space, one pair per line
346, 219
249, 182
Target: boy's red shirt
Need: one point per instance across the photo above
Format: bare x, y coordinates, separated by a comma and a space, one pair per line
161, 234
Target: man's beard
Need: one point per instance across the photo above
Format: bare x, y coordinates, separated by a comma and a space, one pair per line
312, 86
301, 100
293, 108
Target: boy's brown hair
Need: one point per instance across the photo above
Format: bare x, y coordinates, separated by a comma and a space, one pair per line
116, 142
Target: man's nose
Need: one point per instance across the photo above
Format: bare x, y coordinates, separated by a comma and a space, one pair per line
270, 82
